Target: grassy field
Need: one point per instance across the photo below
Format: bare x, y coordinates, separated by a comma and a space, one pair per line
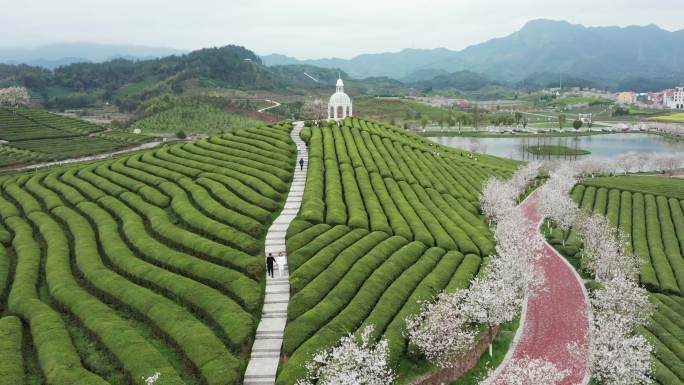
202, 118
399, 110
385, 222
579, 100
674, 118
114, 270
557, 150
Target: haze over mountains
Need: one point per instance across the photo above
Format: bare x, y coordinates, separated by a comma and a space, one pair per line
605, 55
55, 55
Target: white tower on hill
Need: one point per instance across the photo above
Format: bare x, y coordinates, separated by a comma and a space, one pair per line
340, 104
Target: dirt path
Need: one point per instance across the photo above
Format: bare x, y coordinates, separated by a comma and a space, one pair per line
553, 317
275, 104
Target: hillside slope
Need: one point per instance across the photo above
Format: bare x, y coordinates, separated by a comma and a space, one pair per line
387, 219
146, 263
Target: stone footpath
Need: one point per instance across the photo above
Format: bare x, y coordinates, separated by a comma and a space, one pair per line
265, 357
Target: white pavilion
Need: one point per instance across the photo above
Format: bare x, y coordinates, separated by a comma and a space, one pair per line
340, 104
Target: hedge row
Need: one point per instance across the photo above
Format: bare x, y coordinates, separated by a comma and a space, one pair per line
350, 304
198, 343
194, 218
163, 228
330, 292
659, 259
136, 355
238, 286
57, 356
236, 324
12, 363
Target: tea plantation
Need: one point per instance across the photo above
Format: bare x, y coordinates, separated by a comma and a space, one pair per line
387, 219
650, 212
35, 135
114, 270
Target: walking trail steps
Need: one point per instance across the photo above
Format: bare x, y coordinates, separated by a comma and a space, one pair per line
263, 363
555, 315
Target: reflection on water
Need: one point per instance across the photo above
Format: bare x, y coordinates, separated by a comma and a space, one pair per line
608, 146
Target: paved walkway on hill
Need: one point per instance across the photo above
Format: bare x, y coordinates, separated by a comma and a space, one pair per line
263, 364
554, 316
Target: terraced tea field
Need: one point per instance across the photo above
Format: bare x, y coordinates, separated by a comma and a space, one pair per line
35, 135
650, 212
387, 219
141, 264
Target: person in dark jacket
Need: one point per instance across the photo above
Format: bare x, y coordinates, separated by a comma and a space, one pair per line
301, 164
269, 264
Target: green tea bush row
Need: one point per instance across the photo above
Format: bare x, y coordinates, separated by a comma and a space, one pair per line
163, 228
342, 238
136, 355
238, 286
349, 303
214, 362
659, 259
320, 236
12, 363
236, 324
57, 356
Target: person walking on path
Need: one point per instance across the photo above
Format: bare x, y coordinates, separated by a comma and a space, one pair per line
281, 261
269, 264
301, 164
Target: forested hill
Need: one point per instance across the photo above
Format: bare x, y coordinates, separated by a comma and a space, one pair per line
127, 82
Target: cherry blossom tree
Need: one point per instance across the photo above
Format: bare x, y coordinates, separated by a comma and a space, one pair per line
618, 357
356, 360
497, 197
530, 371
14, 96
622, 301
441, 330
602, 252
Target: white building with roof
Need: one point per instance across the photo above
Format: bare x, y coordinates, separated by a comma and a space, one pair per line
340, 104
675, 100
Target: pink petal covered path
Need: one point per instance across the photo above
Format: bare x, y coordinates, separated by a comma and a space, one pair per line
555, 316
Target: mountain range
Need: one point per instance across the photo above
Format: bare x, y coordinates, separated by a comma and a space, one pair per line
54, 55
607, 56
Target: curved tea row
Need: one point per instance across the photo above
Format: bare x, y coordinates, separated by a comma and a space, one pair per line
151, 262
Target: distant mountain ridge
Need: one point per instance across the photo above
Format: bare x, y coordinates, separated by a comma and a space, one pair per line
606, 55
54, 55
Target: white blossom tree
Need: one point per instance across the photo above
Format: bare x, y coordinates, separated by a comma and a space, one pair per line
530, 371
602, 252
355, 360
617, 356
14, 97
441, 331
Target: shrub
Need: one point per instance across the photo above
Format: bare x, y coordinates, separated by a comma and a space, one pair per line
12, 363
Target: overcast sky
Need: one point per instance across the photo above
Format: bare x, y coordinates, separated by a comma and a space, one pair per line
309, 28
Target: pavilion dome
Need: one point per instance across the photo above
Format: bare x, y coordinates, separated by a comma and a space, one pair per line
340, 104
339, 99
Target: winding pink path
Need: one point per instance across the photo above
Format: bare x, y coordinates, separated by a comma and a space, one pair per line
554, 316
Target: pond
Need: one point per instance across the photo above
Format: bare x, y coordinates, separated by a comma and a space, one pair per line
607, 146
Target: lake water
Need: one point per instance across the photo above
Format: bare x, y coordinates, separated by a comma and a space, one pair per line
608, 146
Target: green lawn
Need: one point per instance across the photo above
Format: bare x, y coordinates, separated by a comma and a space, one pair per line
557, 150
676, 117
